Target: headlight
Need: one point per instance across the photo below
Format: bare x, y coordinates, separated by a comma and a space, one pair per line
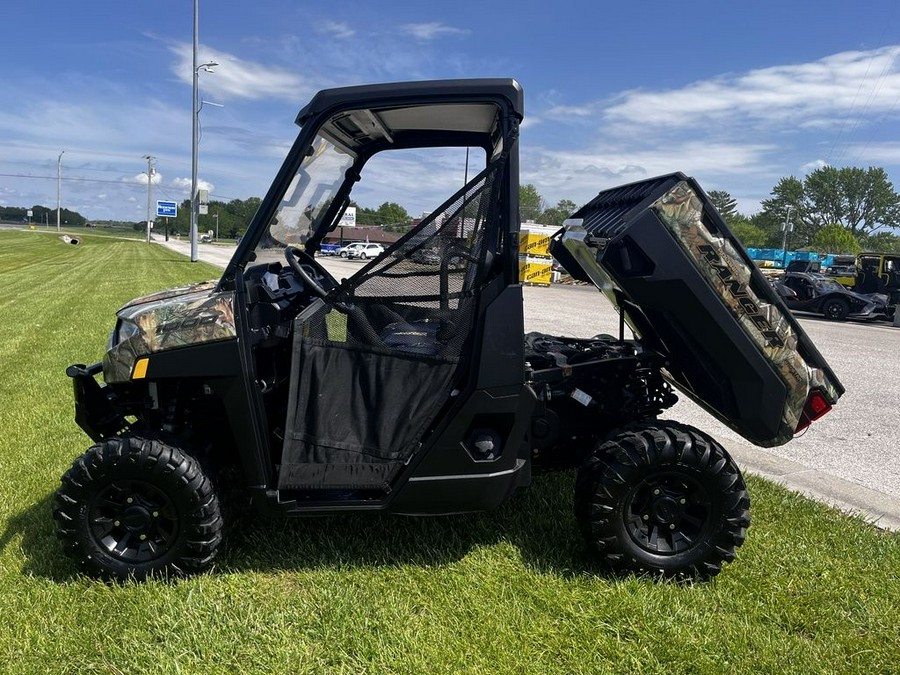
124, 329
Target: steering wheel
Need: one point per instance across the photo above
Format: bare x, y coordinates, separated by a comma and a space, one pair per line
292, 253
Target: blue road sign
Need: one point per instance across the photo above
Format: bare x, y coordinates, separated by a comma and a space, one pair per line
166, 209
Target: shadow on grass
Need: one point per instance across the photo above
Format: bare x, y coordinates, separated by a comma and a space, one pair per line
539, 524
43, 553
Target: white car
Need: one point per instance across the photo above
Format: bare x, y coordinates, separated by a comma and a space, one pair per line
364, 251
345, 251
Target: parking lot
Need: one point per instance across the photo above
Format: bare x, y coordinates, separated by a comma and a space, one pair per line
851, 457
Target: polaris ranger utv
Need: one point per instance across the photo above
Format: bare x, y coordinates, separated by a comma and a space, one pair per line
411, 387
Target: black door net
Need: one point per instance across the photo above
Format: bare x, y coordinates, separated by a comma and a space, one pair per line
375, 360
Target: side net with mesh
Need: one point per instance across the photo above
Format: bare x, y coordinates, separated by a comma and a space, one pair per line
374, 362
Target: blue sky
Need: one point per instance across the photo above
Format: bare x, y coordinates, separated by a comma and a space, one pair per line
737, 94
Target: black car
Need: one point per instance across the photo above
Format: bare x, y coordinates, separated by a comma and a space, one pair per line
819, 294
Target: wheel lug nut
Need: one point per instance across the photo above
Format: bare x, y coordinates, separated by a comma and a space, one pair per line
646, 517
656, 491
129, 500
682, 501
156, 514
144, 536
671, 527
117, 523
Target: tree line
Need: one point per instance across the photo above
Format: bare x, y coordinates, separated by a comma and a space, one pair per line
41, 215
831, 210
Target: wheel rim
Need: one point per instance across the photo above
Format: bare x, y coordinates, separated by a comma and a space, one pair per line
133, 521
834, 310
668, 513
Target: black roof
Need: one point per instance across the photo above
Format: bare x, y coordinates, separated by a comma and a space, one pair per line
424, 91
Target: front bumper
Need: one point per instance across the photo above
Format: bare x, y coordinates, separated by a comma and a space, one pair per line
94, 410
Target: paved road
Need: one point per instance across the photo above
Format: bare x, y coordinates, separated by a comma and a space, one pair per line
850, 458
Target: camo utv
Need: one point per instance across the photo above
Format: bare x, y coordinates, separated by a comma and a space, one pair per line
412, 388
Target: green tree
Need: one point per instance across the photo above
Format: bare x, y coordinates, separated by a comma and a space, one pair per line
365, 215
881, 242
726, 205
770, 225
555, 215
391, 213
835, 238
862, 200
749, 234
531, 204
788, 201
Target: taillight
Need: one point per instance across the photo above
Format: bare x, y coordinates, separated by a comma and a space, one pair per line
816, 406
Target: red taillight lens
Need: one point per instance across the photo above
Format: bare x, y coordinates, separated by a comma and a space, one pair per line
816, 406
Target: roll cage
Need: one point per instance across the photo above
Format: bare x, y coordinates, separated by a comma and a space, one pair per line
363, 121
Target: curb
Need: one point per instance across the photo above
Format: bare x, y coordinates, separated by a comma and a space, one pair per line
877, 508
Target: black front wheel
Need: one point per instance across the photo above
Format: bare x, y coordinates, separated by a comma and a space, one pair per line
132, 508
836, 309
662, 499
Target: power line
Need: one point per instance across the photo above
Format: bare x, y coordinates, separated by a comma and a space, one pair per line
123, 183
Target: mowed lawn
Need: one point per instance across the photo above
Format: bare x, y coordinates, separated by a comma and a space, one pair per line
504, 592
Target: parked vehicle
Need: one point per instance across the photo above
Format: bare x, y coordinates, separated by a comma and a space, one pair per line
411, 388
344, 252
820, 294
875, 273
330, 249
366, 251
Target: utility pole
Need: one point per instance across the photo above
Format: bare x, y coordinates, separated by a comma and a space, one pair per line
58, 180
216, 216
150, 159
787, 227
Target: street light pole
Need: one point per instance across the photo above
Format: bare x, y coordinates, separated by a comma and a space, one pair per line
195, 131
58, 180
149, 159
787, 229
216, 216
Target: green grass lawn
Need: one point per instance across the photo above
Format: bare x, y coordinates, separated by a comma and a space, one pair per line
503, 592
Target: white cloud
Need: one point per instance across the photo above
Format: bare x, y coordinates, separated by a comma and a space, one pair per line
565, 111
878, 153
142, 178
579, 175
338, 29
237, 77
809, 167
812, 94
185, 184
430, 31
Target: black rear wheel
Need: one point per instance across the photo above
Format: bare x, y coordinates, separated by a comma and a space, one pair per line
664, 499
132, 507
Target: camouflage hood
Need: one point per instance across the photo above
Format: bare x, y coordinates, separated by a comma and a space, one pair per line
180, 317
170, 293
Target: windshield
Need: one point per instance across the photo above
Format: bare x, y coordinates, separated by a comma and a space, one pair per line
306, 199
826, 285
